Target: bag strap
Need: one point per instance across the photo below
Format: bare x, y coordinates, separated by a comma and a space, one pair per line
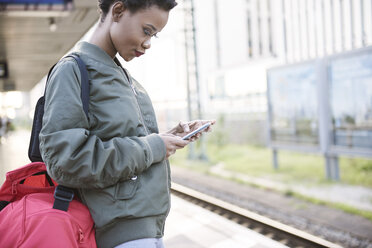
85, 89
64, 195
84, 82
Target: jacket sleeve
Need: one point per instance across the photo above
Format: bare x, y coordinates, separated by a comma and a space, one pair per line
76, 158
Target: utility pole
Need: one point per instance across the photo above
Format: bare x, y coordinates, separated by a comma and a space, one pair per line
192, 74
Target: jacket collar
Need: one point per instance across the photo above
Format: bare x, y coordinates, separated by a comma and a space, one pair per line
94, 52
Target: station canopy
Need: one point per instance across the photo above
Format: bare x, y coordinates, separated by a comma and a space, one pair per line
34, 34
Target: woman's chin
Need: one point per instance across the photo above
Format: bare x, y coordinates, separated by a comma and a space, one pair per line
127, 59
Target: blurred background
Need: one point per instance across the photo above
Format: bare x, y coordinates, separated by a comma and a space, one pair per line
288, 81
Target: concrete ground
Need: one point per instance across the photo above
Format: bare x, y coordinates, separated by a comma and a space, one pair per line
191, 226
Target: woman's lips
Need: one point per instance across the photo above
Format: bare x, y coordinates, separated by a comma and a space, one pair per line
138, 53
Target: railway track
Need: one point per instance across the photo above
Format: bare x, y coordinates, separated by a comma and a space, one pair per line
280, 232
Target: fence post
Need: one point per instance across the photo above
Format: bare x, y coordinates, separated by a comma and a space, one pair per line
275, 159
332, 167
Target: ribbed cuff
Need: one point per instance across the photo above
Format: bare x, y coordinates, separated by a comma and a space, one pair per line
157, 147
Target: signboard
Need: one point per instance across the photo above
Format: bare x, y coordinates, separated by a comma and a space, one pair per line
293, 104
350, 87
3, 69
326, 104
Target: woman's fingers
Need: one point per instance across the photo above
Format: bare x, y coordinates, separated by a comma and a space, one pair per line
184, 127
172, 143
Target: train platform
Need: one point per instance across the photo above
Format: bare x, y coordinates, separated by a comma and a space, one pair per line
191, 226
13, 152
188, 225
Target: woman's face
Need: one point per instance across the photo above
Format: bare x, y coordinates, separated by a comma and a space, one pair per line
131, 33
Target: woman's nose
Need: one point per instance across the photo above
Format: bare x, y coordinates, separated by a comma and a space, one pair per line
147, 44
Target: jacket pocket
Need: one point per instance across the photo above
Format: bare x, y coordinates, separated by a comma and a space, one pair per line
126, 189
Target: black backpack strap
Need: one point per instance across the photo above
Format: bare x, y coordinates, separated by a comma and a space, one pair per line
50, 71
64, 195
85, 89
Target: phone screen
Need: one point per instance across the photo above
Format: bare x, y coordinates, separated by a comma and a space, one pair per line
196, 131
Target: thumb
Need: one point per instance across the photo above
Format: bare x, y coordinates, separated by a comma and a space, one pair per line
185, 127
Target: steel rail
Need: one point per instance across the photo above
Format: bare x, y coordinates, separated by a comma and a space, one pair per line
275, 230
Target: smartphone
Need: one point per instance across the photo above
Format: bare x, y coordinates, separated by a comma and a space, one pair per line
196, 131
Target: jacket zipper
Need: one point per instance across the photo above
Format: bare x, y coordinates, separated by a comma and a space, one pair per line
143, 121
133, 89
135, 96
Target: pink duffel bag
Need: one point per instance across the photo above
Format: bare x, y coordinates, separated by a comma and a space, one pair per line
28, 219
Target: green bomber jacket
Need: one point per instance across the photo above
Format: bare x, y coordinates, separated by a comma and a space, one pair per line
114, 157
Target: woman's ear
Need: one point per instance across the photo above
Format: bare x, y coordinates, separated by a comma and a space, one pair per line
117, 10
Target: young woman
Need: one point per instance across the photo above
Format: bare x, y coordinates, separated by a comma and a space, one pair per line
115, 158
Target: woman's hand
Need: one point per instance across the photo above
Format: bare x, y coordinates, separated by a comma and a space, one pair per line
184, 128
172, 143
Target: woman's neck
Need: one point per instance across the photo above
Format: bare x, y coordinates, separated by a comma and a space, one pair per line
101, 38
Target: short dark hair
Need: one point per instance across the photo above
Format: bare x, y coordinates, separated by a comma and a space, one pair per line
135, 5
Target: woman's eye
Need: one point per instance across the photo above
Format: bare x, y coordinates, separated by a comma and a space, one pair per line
148, 33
